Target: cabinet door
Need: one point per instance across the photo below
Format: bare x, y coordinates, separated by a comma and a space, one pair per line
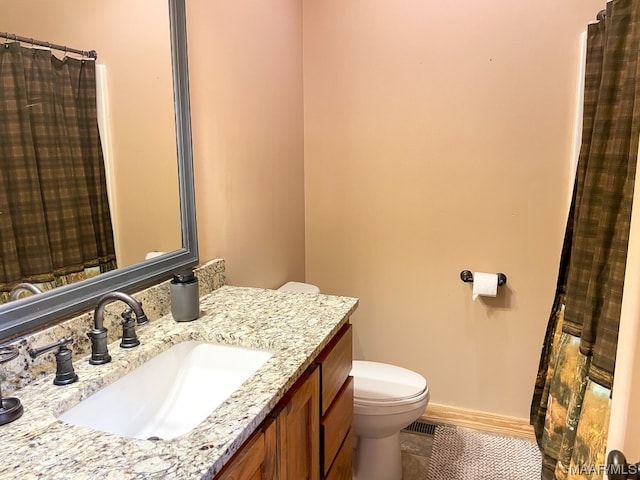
247, 464
256, 460
298, 431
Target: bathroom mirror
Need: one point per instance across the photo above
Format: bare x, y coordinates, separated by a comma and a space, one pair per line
29, 313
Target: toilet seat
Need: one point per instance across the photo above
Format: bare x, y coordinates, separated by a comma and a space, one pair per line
378, 384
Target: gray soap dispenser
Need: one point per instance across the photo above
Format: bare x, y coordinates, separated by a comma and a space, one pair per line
185, 304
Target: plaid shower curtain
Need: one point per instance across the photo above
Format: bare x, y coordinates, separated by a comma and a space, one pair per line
571, 402
55, 224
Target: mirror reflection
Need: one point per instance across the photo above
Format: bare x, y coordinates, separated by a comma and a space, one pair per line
84, 200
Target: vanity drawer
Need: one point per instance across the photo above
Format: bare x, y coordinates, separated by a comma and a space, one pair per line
335, 425
341, 468
335, 366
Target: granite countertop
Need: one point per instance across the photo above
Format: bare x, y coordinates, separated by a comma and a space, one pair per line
294, 327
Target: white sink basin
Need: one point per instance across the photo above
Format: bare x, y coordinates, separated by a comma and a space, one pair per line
170, 394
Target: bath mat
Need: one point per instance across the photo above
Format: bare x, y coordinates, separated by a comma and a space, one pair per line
464, 454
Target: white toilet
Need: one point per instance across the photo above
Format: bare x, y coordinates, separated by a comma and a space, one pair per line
386, 399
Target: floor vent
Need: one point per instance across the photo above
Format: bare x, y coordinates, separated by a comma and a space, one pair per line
421, 427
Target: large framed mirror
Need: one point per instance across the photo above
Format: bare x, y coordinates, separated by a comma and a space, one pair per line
180, 251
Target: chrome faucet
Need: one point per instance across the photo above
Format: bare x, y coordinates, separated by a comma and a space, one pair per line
98, 335
22, 288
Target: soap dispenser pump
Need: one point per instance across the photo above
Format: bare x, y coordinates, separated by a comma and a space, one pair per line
185, 304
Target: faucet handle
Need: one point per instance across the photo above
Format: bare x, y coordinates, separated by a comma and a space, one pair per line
65, 374
129, 336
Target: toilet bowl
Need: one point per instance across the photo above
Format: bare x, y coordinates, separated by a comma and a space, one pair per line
386, 398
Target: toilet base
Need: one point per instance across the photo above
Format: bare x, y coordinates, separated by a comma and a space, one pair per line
377, 458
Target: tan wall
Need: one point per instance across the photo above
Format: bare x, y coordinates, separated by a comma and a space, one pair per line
437, 139
245, 66
132, 40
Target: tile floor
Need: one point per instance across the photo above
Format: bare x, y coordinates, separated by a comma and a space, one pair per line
416, 449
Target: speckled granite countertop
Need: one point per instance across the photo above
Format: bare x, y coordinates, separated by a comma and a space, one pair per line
294, 327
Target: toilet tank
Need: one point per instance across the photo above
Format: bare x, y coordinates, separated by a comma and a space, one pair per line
299, 287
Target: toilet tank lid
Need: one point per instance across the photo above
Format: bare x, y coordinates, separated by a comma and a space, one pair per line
299, 287
384, 382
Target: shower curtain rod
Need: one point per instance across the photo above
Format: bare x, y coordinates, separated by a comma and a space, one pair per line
17, 38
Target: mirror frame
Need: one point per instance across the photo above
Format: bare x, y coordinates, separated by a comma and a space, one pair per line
27, 314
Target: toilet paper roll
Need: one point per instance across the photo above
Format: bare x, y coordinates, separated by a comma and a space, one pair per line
484, 284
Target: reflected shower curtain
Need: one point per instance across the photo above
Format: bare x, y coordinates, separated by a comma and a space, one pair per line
571, 402
55, 224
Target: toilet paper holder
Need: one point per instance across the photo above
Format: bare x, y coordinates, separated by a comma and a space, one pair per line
467, 277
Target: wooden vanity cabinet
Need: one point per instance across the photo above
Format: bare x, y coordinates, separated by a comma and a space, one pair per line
255, 460
341, 468
298, 431
308, 435
286, 446
336, 393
